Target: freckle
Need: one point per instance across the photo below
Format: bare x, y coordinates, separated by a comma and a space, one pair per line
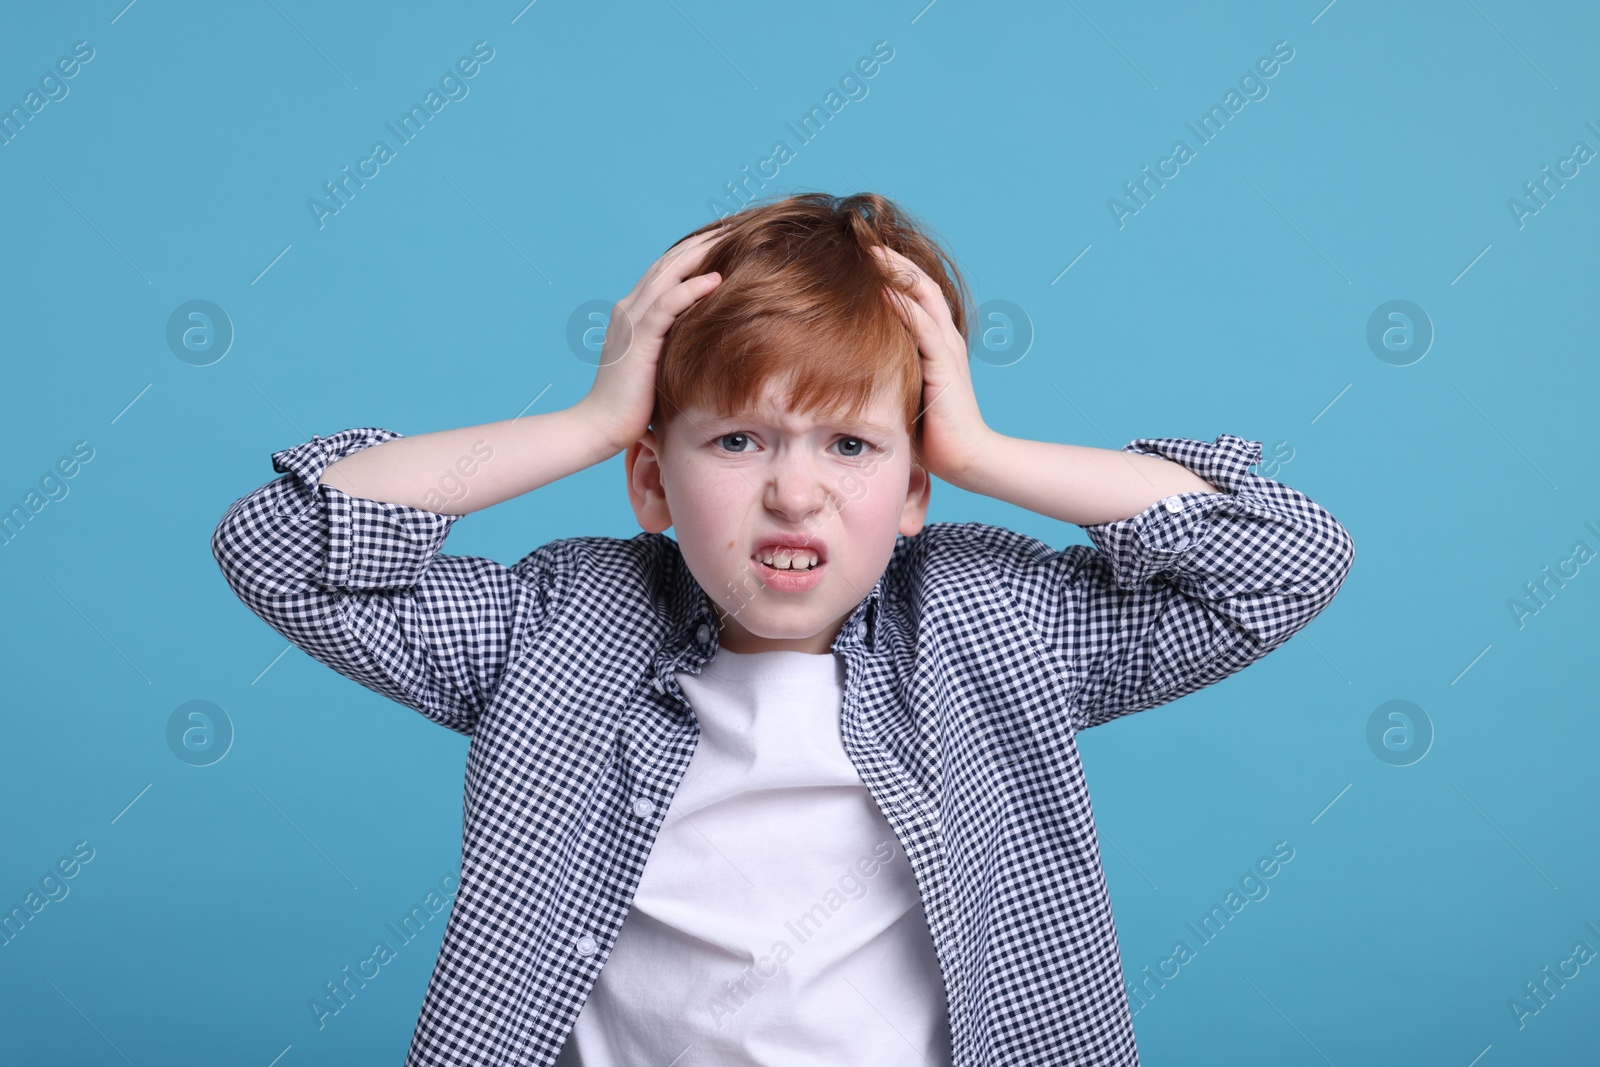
730, 544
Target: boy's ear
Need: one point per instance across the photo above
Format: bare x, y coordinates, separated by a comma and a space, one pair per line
915, 512
642, 461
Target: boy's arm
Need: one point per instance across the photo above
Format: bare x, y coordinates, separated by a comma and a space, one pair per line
359, 583
1201, 569
342, 557
457, 472
1074, 483
1218, 569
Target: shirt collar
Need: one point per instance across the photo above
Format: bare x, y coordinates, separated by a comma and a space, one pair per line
862, 628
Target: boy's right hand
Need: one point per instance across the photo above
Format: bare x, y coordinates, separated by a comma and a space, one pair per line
623, 395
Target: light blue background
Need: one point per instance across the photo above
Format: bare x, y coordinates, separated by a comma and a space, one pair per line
1420, 899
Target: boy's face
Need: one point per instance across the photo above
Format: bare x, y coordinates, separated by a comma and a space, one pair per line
733, 483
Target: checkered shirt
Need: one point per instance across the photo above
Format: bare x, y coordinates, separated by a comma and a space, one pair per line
971, 667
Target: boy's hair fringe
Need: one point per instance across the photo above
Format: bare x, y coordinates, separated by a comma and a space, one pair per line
801, 303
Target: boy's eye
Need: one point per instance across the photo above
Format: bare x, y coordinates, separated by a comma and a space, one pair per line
732, 437
864, 446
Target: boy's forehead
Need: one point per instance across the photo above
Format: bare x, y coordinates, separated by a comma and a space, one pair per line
776, 407
871, 417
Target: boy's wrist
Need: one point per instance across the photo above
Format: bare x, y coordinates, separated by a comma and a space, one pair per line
978, 461
607, 430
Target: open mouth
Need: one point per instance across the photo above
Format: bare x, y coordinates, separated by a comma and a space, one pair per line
795, 572
798, 560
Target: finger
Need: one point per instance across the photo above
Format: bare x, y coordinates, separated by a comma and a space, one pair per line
921, 323
931, 343
695, 244
677, 263
694, 247
685, 258
942, 358
673, 302
931, 297
927, 294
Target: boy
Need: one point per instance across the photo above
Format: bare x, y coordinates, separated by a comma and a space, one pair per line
800, 785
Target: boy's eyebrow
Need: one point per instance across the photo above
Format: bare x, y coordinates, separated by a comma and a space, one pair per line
747, 416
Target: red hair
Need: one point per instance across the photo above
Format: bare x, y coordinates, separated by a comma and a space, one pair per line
801, 302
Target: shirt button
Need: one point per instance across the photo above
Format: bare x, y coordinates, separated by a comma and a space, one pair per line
1174, 505
587, 946
703, 634
643, 806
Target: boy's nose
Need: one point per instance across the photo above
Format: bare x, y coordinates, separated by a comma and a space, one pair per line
796, 490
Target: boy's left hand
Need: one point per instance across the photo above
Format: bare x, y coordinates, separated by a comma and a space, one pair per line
954, 434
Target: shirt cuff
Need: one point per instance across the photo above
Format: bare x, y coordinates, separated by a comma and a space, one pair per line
372, 544
1169, 534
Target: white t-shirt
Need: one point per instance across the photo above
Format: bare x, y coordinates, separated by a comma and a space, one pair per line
777, 921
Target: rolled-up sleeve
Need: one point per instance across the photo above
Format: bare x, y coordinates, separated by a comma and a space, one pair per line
361, 585
1187, 592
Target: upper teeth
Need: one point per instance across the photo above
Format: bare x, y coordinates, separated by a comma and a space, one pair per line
800, 559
